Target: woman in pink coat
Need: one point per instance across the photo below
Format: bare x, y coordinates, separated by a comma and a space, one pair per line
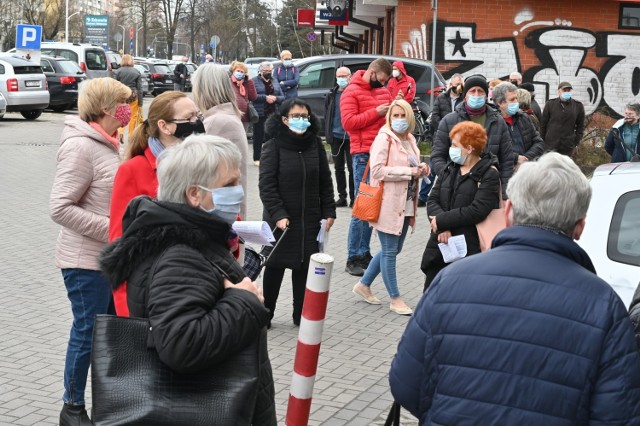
394, 160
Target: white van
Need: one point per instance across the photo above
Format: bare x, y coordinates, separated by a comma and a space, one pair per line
611, 235
91, 58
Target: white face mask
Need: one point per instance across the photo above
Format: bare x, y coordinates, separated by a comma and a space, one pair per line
395, 73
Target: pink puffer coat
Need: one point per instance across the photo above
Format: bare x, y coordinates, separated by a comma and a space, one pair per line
395, 175
81, 194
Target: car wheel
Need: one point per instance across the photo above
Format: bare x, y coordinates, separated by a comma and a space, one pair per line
154, 93
31, 114
60, 108
1, 116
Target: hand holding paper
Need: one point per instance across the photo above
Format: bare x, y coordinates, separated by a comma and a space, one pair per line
255, 232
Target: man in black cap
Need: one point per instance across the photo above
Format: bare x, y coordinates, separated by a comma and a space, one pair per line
562, 124
475, 108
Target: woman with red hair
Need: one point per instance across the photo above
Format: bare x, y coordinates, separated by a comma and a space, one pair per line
464, 194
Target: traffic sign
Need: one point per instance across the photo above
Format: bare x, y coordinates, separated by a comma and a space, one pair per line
28, 37
214, 42
131, 32
312, 36
117, 37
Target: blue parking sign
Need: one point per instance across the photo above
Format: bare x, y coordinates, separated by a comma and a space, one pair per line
28, 37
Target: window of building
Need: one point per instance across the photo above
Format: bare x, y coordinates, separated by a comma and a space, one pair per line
623, 244
629, 16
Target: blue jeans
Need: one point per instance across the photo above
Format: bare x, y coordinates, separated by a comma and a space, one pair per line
90, 295
359, 230
385, 260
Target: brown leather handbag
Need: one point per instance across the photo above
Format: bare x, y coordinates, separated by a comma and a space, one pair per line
369, 198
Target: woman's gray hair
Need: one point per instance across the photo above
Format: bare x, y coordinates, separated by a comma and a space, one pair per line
524, 99
265, 64
212, 87
196, 161
501, 90
551, 191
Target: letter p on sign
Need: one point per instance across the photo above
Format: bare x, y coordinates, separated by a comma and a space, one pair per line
28, 37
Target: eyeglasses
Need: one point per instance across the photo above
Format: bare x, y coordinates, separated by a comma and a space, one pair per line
298, 115
191, 119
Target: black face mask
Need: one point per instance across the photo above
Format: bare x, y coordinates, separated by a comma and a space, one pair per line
187, 129
266, 75
514, 82
375, 84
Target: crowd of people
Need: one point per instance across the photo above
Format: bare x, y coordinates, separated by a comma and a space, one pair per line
149, 234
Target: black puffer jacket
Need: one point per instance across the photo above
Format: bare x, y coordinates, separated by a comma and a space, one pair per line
295, 183
442, 107
634, 314
524, 132
499, 142
167, 254
461, 202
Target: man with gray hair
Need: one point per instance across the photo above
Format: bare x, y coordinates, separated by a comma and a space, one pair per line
525, 333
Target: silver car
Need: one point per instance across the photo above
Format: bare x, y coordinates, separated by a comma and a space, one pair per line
3, 105
23, 85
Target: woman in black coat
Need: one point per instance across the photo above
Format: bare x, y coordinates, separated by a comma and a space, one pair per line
464, 194
297, 193
175, 254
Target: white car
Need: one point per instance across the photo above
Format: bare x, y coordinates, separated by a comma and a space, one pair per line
23, 85
612, 233
3, 105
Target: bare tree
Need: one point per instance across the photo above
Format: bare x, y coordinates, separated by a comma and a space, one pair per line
144, 12
48, 14
172, 10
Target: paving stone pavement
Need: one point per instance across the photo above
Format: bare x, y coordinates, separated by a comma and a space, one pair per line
359, 340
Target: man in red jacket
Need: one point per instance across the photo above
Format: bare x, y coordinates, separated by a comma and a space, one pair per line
401, 85
364, 104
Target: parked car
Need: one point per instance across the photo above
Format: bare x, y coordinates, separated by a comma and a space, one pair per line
92, 59
147, 86
23, 85
257, 60
114, 59
3, 105
318, 76
161, 74
63, 76
611, 235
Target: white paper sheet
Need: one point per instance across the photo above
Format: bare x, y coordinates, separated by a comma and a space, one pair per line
323, 236
255, 232
454, 250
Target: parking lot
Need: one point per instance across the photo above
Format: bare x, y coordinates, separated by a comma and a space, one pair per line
359, 340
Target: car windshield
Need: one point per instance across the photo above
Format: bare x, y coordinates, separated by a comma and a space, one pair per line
163, 68
69, 67
31, 69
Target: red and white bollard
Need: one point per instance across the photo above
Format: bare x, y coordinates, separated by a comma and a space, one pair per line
305, 364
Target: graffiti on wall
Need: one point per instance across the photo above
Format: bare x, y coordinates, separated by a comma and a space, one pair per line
559, 46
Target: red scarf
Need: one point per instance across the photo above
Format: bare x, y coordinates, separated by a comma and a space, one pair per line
112, 139
240, 84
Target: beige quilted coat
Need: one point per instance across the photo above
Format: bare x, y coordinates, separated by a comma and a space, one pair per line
81, 194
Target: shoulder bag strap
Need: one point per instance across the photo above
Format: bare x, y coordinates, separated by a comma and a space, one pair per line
499, 186
366, 170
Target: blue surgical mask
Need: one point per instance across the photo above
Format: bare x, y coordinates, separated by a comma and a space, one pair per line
400, 125
299, 125
342, 82
287, 63
476, 102
239, 75
512, 109
456, 156
566, 96
226, 202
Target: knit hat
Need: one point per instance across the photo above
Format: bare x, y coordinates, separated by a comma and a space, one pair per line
475, 81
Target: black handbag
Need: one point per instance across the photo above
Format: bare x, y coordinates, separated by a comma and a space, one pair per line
254, 117
393, 418
131, 385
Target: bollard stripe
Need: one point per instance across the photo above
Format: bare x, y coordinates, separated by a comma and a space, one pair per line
298, 411
301, 386
310, 331
315, 305
306, 361
317, 278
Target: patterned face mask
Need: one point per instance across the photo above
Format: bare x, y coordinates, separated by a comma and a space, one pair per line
122, 114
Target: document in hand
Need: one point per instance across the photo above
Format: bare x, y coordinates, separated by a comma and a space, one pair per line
255, 232
323, 236
455, 249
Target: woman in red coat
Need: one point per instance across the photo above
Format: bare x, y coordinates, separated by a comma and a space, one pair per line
244, 89
172, 117
401, 85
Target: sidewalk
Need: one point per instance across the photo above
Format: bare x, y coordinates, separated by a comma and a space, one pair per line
359, 339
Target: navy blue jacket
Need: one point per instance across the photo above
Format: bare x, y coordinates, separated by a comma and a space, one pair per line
288, 79
615, 145
262, 95
523, 334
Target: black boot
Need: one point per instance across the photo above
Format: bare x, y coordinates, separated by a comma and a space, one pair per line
74, 415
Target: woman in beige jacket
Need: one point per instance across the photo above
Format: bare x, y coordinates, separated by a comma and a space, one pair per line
214, 96
395, 160
87, 161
